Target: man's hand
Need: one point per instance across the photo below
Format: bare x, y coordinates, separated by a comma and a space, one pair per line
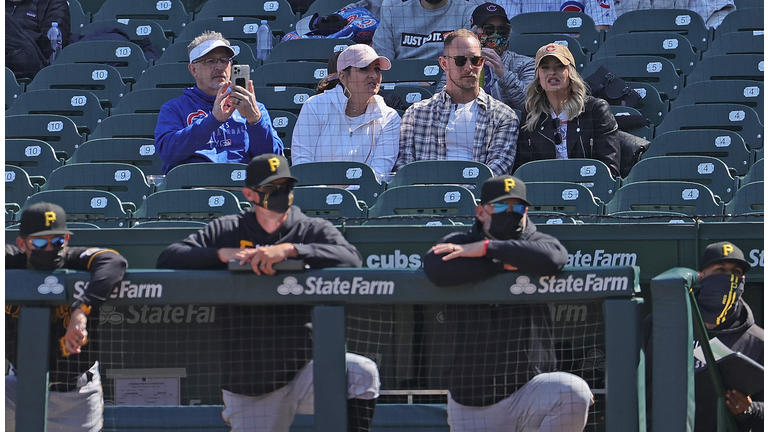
76, 335
494, 61
737, 402
261, 258
223, 105
469, 250
245, 101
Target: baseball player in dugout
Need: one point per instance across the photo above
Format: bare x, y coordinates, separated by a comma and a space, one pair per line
76, 398
503, 375
267, 354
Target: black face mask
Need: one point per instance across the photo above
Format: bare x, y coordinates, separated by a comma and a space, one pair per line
46, 259
506, 226
717, 295
279, 201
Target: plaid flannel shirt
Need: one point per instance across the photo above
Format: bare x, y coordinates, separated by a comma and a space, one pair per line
422, 132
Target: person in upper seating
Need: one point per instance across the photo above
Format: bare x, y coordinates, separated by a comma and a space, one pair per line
713, 11
561, 120
215, 121
415, 28
27, 47
348, 120
461, 122
602, 12
505, 74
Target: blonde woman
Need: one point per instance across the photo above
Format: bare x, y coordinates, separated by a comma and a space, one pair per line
561, 121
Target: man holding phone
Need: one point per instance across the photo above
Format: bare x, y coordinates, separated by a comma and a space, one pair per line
215, 121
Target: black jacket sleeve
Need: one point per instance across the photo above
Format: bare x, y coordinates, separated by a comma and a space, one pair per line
107, 269
14, 257
324, 246
541, 254
458, 271
196, 252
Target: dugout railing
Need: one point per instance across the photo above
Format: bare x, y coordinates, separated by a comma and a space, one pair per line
616, 289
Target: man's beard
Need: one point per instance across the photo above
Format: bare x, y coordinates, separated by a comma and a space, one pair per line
459, 84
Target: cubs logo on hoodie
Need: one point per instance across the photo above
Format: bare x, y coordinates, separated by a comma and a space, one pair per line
195, 116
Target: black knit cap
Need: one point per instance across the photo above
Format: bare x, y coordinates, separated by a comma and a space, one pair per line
723, 251
502, 187
43, 219
265, 169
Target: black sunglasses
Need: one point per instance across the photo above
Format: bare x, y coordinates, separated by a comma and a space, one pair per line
502, 30
271, 188
462, 60
558, 135
42, 243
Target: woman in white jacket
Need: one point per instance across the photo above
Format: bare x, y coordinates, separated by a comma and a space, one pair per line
348, 120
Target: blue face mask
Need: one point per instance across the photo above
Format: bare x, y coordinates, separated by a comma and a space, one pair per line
717, 295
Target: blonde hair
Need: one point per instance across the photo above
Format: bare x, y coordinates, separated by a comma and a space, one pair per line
205, 36
537, 104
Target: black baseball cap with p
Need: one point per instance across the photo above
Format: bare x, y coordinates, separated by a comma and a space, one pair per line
502, 187
42, 219
266, 168
723, 251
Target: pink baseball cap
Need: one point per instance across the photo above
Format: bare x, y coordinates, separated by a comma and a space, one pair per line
361, 55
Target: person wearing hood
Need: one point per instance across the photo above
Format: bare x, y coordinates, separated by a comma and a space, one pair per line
348, 120
76, 398
215, 121
728, 318
503, 375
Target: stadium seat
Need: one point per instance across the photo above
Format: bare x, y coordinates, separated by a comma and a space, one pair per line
168, 75
529, 44
283, 98
742, 92
299, 74
651, 105
139, 152
331, 203
634, 217
706, 170
469, 174
591, 173
408, 95
145, 101
90, 6
569, 23
284, 122
97, 207
748, 204
278, 13
654, 70
170, 14
738, 118
137, 30
126, 126
728, 67
666, 196
645, 132
36, 157
682, 21
745, 4
736, 43
124, 56
100, 79
413, 71
12, 88
77, 18
224, 176
82, 106
188, 204
125, 181
178, 53
728, 146
557, 198
323, 7
18, 187
242, 29
756, 173
57, 130
357, 177
673, 46
417, 204
307, 50
746, 20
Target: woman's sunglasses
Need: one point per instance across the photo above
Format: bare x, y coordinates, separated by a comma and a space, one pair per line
462, 60
502, 30
502, 206
42, 243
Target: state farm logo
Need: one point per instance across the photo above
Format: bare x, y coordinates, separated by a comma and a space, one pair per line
50, 285
522, 285
316, 285
290, 286
108, 314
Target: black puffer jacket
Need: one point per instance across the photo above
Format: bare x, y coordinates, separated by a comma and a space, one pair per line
36, 16
592, 135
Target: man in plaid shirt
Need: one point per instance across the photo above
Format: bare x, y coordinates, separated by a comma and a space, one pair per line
461, 122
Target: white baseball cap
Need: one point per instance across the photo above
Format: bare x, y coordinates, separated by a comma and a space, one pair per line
208, 46
361, 55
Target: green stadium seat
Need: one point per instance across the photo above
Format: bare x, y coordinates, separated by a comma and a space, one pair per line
278, 13
170, 14
728, 67
126, 57
82, 106
568, 23
188, 204
651, 105
747, 20
706, 170
645, 132
681, 21
357, 177
666, 196
408, 94
736, 43
224, 176
413, 71
634, 217
239, 28
57, 130
331, 203
746, 4
100, 79
126, 126
177, 52
283, 98
529, 44
139, 152
591, 173
323, 7
469, 174
748, 204
77, 18
738, 118
168, 75
756, 173
299, 74
12, 88
743, 92
97, 207
551, 218
89, 6
18, 187
137, 30
673, 46
127, 182
36, 157
145, 101
725, 145
654, 70
423, 205
307, 50
557, 198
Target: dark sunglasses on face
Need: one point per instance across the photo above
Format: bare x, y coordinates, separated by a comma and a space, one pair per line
271, 188
462, 60
558, 135
502, 30
42, 243
502, 206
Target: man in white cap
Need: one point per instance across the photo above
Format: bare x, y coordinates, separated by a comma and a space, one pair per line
215, 121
